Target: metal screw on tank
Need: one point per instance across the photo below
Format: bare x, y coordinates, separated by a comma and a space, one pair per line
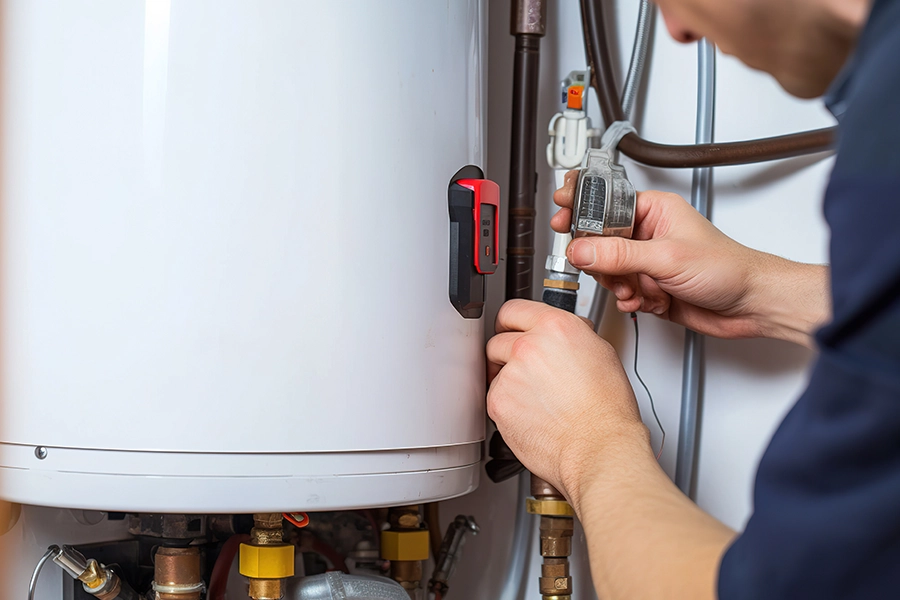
40, 452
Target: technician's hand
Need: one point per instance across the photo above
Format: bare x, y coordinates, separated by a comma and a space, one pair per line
559, 394
680, 267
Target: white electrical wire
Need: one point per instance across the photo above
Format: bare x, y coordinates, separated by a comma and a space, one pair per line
50, 553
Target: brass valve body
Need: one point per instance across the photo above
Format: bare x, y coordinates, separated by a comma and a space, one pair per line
267, 561
556, 547
406, 545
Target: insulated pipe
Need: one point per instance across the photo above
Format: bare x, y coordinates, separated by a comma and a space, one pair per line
694, 343
699, 155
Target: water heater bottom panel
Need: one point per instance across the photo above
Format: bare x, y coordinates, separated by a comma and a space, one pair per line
175, 482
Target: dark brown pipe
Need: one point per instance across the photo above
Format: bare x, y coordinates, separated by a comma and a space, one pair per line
730, 153
522, 173
433, 518
689, 156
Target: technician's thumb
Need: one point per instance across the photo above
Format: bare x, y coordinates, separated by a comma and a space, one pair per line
611, 256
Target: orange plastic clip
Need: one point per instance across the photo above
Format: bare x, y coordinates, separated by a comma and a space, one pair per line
575, 97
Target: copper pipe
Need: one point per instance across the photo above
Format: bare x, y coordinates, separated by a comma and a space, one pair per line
688, 156
177, 574
542, 490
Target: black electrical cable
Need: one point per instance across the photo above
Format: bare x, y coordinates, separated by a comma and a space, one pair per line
637, 337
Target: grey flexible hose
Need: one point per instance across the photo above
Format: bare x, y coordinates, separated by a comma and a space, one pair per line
523, 534
694, 344
639, 53
598, 306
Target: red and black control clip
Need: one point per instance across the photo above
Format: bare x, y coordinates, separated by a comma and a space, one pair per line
474, 238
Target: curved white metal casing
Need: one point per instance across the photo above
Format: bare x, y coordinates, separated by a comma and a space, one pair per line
225, 254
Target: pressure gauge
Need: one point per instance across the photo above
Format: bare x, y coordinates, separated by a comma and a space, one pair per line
604, 198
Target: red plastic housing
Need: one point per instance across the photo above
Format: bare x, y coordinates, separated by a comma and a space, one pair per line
486, 192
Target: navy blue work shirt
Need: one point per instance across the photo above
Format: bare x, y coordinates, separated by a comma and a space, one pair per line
826, 521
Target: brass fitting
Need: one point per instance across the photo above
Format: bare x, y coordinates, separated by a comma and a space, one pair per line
96, 579
100, 582
555, 579
556, 547
550, 508
267, 560
406, 545
177, 574
556, 536
94, 576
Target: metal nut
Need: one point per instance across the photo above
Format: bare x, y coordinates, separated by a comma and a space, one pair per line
555, 585
408, 521
265, 589
556, 508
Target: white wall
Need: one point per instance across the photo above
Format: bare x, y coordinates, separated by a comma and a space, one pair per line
775, 207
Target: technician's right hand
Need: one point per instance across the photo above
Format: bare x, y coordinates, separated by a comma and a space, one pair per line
680, 267
560, 396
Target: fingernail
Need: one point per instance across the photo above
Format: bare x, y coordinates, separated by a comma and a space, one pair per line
581, 254
619, 290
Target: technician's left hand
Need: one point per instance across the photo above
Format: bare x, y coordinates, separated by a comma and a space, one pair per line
559, 395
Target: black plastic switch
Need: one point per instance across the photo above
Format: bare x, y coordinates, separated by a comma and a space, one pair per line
474, 204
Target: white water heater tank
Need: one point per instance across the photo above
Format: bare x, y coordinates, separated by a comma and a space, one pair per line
225, 254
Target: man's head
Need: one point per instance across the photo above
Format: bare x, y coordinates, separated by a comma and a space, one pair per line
802, 43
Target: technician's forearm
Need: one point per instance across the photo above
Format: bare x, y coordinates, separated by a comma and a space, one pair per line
793, 300
646, 540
